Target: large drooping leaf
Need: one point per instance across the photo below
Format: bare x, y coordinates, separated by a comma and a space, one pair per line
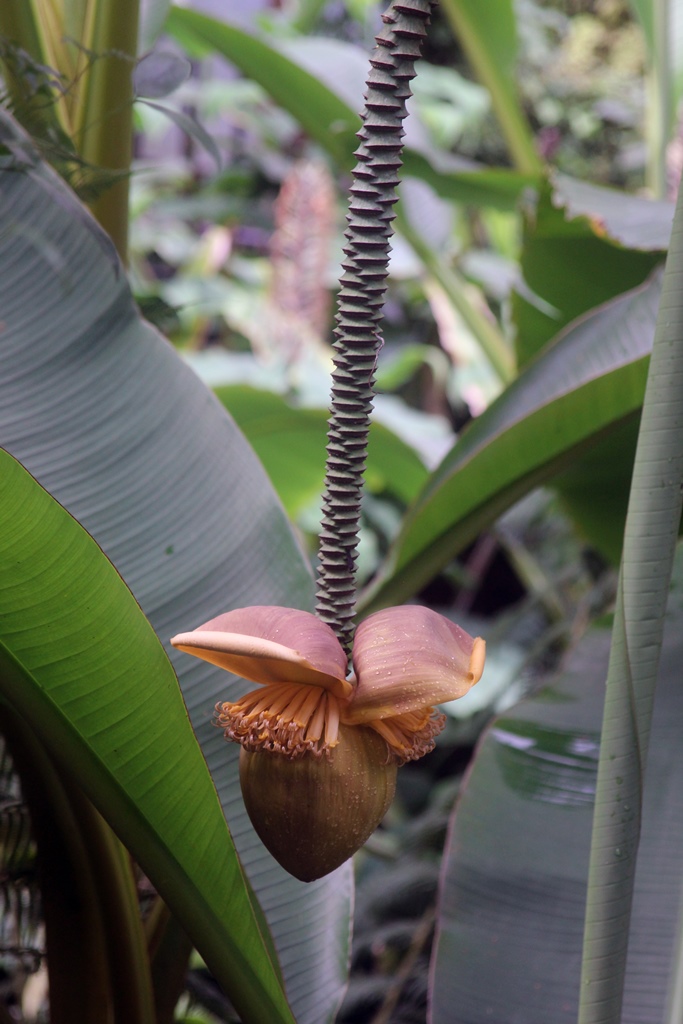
510, 924
298, 74
290, 443
582, 246
100, 409
589, 383
594, 489
81, 664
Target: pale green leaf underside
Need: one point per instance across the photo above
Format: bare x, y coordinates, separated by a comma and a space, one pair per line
652, 527
510, 924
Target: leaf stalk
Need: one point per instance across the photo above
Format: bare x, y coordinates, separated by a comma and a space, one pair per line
653, 518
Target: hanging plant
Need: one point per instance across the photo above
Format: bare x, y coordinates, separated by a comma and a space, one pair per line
321, 745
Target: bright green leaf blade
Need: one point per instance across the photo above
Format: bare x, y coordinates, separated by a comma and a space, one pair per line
290, 443
393, 466
497, 188
588, 383
325, 114
79, 661
643, 11
594, 490
510, 919
98, 406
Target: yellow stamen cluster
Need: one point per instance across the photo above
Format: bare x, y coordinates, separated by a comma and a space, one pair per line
286, 718
411, 735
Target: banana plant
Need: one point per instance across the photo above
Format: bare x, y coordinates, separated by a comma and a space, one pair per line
94, 416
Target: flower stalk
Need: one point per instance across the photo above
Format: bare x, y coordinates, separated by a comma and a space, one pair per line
360, 301
321, 741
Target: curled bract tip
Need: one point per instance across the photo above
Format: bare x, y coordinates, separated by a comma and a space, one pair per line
406, 661
271, 645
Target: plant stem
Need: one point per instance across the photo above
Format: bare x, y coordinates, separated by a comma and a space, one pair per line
169, 953
658, 122
473, 28
97, 961
654, 514
19, 26
363, 288
104, 133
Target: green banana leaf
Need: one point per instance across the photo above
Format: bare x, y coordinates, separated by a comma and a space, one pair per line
284, 71
643, 590
633, 221
582, 246
510, 919
103, 412
81, 664
585, 385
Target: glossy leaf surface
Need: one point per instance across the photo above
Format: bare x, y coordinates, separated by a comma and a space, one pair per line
100, 409
588, 383
81, 664
583, 245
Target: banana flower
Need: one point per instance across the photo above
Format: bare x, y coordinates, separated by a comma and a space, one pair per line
341, 735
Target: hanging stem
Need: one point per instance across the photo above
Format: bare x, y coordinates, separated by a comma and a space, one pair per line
360, 301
